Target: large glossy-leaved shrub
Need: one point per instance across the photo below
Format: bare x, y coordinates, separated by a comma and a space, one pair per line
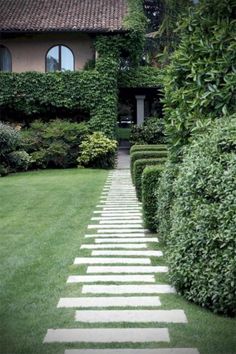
202, 242
200, 82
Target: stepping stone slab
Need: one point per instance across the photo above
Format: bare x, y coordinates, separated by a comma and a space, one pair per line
104, 218
129, 269
128, 289
132, 235
128, 253
101, 260
107, 335
116, 226
111, 278
134, 351
116, 240
121, 222
111, 316
119, 231
118, 245
120, 301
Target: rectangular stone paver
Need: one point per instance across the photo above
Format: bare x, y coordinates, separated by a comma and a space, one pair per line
107, 335
128, 253
103, 260
130, 240
112, 245
128, 289
120, 301
115, 226
111, 278
127, 269
122, 235
117, 218
120, 231
118, 222
134, 316
134, 351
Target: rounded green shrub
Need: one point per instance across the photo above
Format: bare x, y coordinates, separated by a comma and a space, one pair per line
98, 151
202, 242
9, 139
150, 132
19, 160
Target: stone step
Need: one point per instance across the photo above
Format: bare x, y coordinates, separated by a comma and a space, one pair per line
128, 289
118, 213
117, 236
134, 351
120, 208
120, 231
113, 245
104, 218
137, 278
127, 269
107, 335
133, 316
103, 260
117, 240
128, 253
119, 301
121, 222
116, 226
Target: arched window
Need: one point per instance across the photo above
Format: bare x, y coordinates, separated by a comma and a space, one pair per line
5, 59
59, 58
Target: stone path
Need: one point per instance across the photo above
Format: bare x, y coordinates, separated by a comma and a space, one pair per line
119, 286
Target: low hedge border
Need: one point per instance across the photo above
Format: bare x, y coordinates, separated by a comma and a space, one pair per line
158, 147
139, 167
150, 182
138, 155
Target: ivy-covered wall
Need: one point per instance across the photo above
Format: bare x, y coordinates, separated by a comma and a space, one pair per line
94, 90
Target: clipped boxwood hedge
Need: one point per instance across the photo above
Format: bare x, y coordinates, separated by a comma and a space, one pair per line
202, 243
150, 181
148, 147
138, 155
139, 167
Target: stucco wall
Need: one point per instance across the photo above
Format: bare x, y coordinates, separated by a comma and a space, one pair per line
29, 51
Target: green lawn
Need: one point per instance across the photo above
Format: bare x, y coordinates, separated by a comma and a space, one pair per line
44, 216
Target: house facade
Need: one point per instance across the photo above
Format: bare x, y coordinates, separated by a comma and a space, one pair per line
59, 36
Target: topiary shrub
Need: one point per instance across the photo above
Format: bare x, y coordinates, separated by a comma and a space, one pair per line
54, 144
145, 147
98, 151
139, 167
202, 243
138, 155
165, 196
150, 132
150, 181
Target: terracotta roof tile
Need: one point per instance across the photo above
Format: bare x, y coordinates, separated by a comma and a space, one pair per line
62, 15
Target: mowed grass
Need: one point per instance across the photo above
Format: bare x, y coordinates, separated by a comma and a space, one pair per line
44, 216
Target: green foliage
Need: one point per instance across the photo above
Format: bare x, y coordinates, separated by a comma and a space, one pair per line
139, 167
138, 155
19, 160
150, 182
200, 82
142, 76
98, 151
202, 242
11, 159
150, 132
165, 196
156, 147
54, 144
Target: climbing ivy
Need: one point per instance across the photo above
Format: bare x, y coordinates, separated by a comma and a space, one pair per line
94, 90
